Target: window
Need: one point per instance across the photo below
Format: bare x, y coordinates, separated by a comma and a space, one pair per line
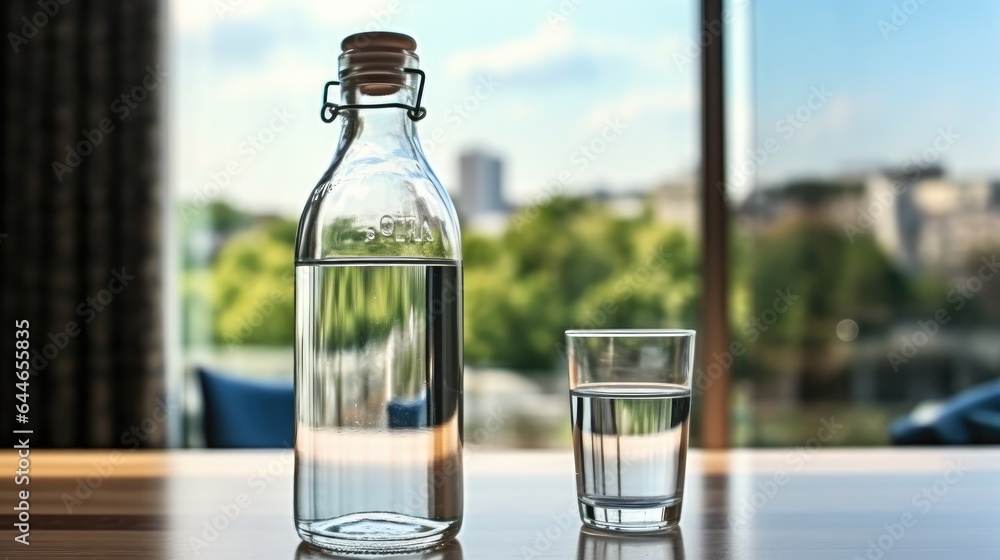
565, 131
868, 214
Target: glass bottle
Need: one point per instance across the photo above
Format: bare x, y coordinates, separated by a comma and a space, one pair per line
378, 319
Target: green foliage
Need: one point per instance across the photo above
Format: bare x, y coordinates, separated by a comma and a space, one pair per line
571, 264
814, 193
567, 263
253, 281
834, 279
828, 278
200, 223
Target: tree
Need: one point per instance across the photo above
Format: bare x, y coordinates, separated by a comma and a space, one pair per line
253, 287
829, 279
569, 263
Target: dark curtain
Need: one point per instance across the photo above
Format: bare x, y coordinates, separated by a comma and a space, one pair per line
81, 221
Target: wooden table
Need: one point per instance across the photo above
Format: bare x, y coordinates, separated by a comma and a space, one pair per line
771, 505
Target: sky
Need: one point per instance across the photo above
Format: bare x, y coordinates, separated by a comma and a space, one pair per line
896, 79
247, 80
561, 74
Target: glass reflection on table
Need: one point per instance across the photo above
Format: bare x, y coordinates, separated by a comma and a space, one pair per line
603, 546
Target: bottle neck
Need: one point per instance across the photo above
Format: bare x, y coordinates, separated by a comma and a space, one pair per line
383, 126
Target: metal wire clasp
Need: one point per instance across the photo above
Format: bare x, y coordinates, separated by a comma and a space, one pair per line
330, 110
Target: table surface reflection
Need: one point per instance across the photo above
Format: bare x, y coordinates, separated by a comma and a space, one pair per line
766, 504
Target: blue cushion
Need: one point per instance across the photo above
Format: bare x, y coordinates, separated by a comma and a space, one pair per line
243, 413
407, 413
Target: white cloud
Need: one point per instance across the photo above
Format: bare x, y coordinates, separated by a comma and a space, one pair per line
186, 15
194, 15
517, 53
839, 117
641, 102
519, 110
550, 46
285, 71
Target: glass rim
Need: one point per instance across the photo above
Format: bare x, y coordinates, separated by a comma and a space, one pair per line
629, 333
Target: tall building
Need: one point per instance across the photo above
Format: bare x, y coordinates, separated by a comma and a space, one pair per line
481, 186
929, 222
894, 216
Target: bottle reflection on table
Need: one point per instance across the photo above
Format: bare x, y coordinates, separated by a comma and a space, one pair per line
451, 550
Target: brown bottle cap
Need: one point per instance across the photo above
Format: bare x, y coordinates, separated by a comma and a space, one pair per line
374, 60
378, 40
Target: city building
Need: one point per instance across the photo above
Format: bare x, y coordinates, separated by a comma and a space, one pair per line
677, 202
931, 223
923, 220
480, 197
836, 202
627, 204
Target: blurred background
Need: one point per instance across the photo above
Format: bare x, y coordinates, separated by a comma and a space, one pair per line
862, 186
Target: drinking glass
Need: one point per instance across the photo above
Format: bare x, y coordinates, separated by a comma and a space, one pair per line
630, 400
